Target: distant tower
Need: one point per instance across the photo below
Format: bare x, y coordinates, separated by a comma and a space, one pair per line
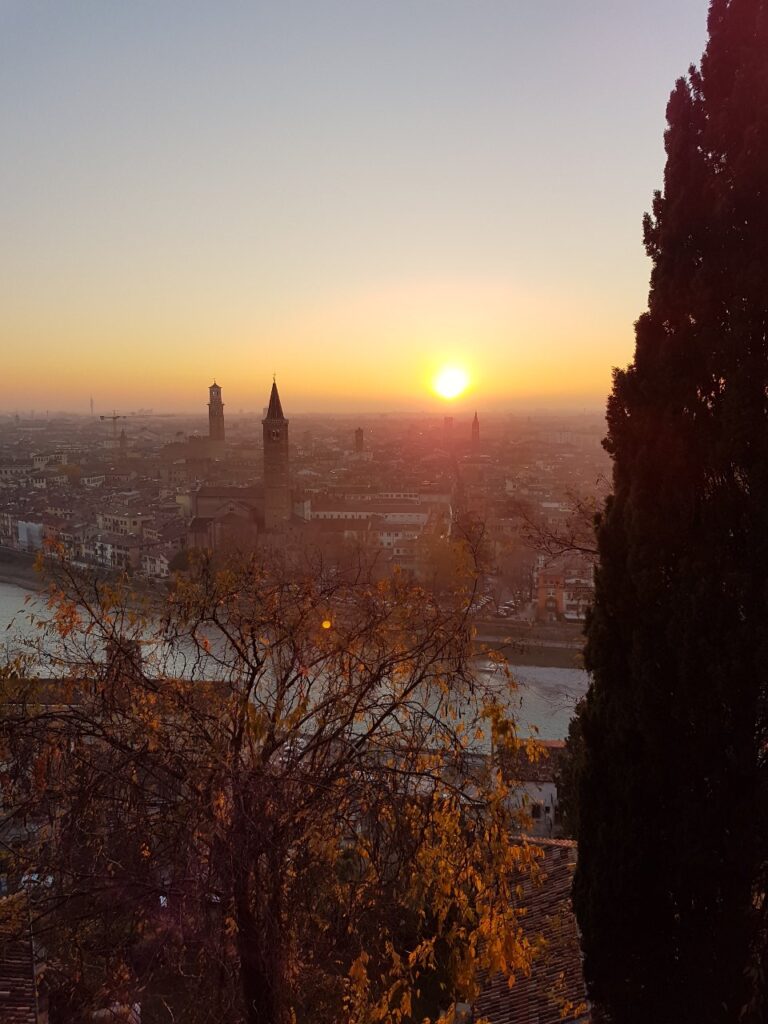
123, 444
91, 406
448, 432
359, 439
215, 414
475, 433
277, 491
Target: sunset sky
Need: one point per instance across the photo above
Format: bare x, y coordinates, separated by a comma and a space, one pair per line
349, 193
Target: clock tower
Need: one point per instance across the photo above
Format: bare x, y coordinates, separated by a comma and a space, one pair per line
215, 414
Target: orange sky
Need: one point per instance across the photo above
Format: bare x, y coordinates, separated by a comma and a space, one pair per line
373, 349
347, 195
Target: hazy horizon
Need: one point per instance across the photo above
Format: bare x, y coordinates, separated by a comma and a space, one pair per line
430, 408
436, 408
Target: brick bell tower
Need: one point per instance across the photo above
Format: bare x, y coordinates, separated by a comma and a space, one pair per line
475, 433
277, 491
215, 414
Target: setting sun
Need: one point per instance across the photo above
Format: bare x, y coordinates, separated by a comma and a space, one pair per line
451, 381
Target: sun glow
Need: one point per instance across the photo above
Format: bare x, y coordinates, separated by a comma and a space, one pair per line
450, 382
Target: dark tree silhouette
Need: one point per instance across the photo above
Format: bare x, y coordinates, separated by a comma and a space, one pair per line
568, 772
672, 832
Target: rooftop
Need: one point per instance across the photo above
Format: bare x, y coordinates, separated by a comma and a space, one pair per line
555, 992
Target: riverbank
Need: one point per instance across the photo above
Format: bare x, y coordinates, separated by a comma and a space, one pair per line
18, 569
559, 646
539, 656
536, 645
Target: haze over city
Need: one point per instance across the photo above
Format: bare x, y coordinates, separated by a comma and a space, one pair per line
351, 194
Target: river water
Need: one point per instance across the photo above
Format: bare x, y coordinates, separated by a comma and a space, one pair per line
14, 616
543, 703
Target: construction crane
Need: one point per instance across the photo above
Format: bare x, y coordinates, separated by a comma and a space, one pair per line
114, 417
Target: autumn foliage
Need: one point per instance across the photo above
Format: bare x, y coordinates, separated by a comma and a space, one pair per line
260, 799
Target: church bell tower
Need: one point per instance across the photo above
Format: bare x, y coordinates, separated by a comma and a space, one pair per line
277, 491
475, 433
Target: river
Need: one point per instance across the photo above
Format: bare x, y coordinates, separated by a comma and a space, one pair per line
543, 703
14, 616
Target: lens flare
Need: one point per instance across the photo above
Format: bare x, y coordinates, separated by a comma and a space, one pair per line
451, 381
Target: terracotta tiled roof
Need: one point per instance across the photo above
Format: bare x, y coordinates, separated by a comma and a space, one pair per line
555, 992
18, 1003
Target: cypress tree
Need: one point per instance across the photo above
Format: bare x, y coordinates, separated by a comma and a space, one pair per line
672, 790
